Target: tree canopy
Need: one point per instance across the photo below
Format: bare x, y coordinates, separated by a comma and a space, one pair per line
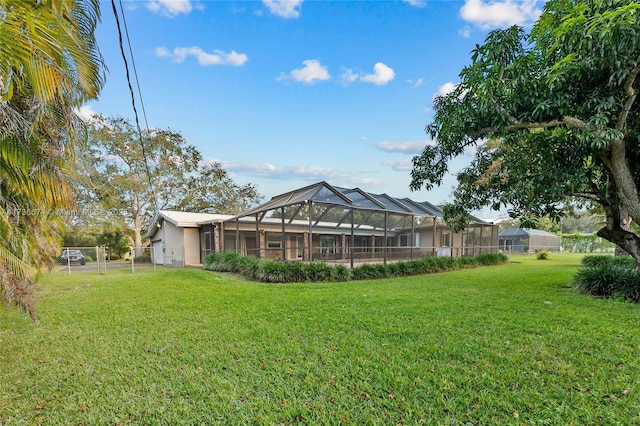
129, 179
553, 117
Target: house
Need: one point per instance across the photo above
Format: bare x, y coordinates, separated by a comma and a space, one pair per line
182, 238
321, 222
522, 240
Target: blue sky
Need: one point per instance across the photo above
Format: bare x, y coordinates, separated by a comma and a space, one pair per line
288, 93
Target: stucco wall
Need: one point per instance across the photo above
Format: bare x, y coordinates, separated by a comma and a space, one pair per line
191, 246
173, 238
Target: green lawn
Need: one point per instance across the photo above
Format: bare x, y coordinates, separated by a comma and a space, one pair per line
510, 344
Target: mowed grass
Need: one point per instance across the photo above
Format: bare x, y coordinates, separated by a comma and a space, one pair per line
509, 344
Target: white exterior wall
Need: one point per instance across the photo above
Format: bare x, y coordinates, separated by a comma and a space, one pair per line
173, 238
191, 246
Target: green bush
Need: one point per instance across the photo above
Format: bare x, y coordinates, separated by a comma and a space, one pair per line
598, 260
608, 278
279, 271
492, 259
142, 259
320, 271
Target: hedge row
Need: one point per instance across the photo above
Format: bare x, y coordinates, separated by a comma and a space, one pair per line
609, 276
275, 271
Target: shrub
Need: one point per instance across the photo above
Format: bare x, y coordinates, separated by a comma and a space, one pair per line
319, 271
142, 259
492, 259
598, 260
341, 273
370, 271
609, 279
542, 255
467, 262
282, 271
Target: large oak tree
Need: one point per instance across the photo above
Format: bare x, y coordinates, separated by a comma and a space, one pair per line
553, 115
129, 175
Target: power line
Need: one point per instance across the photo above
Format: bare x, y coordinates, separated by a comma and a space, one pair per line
133, 100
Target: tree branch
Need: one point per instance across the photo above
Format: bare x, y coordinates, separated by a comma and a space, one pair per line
631, 96
573, 122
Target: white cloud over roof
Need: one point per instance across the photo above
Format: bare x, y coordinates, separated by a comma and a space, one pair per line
287, 9
298, 173
217, 57
500, 14
312, 71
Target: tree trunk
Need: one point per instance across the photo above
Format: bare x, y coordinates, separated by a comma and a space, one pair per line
628, 241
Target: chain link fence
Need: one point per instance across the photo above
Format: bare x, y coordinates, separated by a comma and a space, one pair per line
101, 259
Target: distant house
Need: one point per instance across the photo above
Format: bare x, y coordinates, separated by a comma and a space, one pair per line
522, 240
320, 222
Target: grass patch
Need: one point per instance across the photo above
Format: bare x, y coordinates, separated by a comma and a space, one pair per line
508, 344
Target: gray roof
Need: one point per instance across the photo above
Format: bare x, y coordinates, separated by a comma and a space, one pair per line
322, 193
524, 232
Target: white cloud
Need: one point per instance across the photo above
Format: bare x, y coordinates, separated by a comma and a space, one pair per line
465, 31
298, 173
284, 8
382, 74
312, 71
403, 165
348, 76
402, 147
500, 14
416, 83
416, 3
170, 8
86, 113
445, 89
218, 57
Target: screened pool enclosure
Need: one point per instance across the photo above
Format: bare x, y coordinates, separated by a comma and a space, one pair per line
350, 226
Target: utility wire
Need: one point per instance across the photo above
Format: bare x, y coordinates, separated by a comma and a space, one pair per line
133, 64
133, 103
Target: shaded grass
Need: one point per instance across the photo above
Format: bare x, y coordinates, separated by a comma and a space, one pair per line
511, 344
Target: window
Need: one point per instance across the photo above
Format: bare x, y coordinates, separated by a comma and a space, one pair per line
274, 242
327, 244
445, 240
405, 240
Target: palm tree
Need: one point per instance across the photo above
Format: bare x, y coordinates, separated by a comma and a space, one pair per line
49, 66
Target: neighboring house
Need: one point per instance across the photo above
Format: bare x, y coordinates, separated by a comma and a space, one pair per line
182, 238
320, 222
522, 240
